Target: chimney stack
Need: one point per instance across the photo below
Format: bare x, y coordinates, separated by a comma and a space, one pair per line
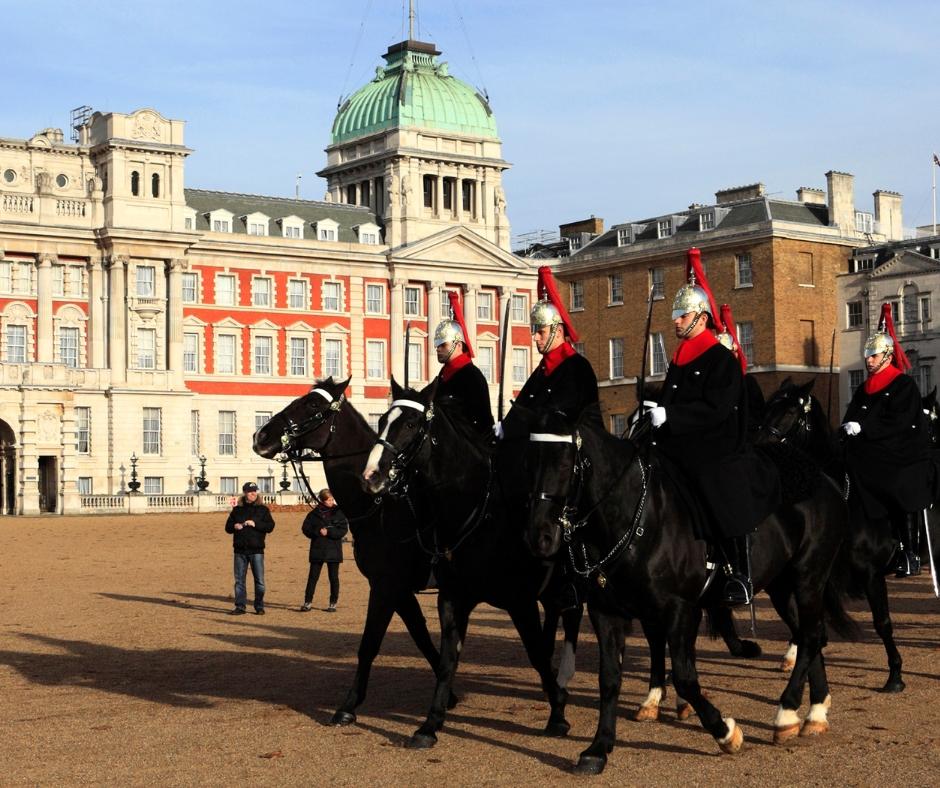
841, 186
888, 214
811, 195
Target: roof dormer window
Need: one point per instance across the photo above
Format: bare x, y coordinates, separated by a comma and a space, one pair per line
624, 236
706, 221
256, 223
220, 220
291, 227
664, 228
368, 233
327, 230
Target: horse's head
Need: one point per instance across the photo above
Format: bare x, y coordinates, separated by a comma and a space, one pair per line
787, 414
304, 424
552, 468
932, 412
403, 443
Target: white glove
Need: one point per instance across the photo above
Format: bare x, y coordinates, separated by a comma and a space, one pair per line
658, 416
852, 428
498, 430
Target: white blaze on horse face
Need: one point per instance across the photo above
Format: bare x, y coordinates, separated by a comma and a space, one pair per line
372, 466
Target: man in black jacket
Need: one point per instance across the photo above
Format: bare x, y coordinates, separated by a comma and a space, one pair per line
325, 526
249, 521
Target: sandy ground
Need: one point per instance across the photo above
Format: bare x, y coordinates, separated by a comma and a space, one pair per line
119, 665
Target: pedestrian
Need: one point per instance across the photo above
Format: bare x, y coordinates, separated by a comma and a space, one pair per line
249, 521
325, 527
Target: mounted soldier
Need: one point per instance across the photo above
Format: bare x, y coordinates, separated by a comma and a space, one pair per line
460, 381
887, 445
701, 426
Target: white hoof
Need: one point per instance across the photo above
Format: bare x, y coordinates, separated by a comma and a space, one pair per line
649, 709
734, 740
786, 725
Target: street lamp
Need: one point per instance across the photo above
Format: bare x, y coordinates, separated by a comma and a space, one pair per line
285, 482
133, 484
202, 483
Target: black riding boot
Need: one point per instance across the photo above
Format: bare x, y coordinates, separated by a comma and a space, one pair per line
738, 588
908, 553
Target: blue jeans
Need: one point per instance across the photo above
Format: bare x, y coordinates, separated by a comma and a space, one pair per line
256, 560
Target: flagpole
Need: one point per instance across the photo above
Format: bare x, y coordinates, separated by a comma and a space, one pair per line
933, 172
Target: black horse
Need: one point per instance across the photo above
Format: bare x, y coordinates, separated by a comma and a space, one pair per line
384, 531
429, 457
627, 527
795, 417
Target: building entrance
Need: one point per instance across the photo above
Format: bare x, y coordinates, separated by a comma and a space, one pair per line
48, 484
7, 469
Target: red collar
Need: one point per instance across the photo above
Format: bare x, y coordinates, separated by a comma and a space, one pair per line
552, 360
691, 349
454, 363
881, 379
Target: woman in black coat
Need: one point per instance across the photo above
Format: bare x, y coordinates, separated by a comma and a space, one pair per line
325, 527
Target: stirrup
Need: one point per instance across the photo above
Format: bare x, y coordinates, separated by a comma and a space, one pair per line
737, 591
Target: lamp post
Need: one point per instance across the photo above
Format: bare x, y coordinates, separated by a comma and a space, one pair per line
123, 470
190, 484
285, 482
202, 483
133, 484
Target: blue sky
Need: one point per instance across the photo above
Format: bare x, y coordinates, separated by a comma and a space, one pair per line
619, 109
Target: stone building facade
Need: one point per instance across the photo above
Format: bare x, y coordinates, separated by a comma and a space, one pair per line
138, 316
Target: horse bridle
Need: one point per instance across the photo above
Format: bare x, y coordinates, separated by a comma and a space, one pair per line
569, 528
801, 425
294, 429
402, 458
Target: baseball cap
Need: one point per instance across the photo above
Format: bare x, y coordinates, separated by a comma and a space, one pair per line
249, 487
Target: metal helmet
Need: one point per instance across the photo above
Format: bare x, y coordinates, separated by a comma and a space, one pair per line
879, 342
690, 298
448, 331
544, 313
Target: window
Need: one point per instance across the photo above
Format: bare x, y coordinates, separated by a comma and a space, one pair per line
333, 358
68, 346
291, 231
145, 281
152, 430
854, 317
412, 301
375, 359
706, 221
615, 282
373, 421
657, 354
364, 193
83, 430
190, 352
618, 424
468, 194
264, 350
743, 273
911, 305
188, 223
446, 312
746, 340
262, 417
225, 290
925, 309
298, 356
227, 432
332, 296
261, 291
225, 354
574, 243
415, 365
6, 277
135, 183
75, 281
266, 484
485, 361
375, 299
58, 280
579, 347
297, 293
520, 309
146, 348
484, 306
664, 228
83, 485
194, 438
616, 358
221, 226
326, 233
856, 379
520, 365
623, 236
449, 194
864, 263
190, 286
24, 278
577, 295
429, 183
924, 377
16, 344
658, 283
228, 485
864, 222
257, 228
894, 312
153, 485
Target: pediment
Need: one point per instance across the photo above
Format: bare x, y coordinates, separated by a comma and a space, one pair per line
462, 247
906, 262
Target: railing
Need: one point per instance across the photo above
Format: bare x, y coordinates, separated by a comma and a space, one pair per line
181, 502
104, 502
17, 203
70, 208
171, 501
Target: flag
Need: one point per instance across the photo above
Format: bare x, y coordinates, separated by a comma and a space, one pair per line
936, 160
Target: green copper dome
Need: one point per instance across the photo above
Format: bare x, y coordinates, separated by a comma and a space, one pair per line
413, 89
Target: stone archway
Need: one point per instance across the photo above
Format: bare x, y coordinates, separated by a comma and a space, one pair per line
7, 469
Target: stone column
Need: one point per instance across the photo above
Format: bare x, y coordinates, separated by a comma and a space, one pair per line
434, 317
118, 319
44, 337
97, 327
174, 323
397, 328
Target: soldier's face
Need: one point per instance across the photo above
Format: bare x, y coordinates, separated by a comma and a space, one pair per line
443, 351
682, 325
543, 334
872, 363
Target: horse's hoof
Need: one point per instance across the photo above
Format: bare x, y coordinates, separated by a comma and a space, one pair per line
647, 713
787, 665
814, 728
684, 711
421, 741
343, 718
453, 701
893, 685
750, 650
734, 740
557, 728
785, 733
590, 764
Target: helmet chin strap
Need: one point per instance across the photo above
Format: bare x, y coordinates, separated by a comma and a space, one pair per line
692, 325
453, 349
551, 337
887, 358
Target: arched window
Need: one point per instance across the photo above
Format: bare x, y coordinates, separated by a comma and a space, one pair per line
135, 183
155, 185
